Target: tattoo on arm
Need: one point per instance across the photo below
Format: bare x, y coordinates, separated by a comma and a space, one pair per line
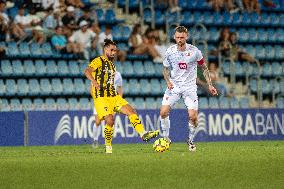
166, 73
206, 74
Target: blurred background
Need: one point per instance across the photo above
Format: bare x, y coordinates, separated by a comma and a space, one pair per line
45, 45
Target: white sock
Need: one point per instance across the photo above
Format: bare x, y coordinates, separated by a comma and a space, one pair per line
165, 126
191, 129
96, 132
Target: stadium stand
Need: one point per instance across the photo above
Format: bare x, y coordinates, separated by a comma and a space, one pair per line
36, 77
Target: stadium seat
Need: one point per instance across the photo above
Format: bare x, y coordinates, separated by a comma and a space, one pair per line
234, 103
68, 87
267, 70
73, 104
276, 69
15, 104
34, 87
24, 50
82, 68
27, 104
139, 103
63, 68
213, 102
84, 104
18, 69
203, 103
100, 15
158, 69
224, 102
38, 104
12, 50
280, 102
73, 68
274, 86
119, 67
62, 104
266, 87
145, 87
47, 50
134, 87
35, 50
151, 103
125, 87
29, 68
50, 104
2, 88
11, 87
149, 69
51, 68
244, 102
156, 87
128, 70
6, 68
56, 86
45, 87
23, 87
40, 68
4, 105
79, 87
110, 15
138, 68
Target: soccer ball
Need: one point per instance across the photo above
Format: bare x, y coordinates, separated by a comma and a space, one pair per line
161, 145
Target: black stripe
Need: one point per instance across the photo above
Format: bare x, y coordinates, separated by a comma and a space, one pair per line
96, 78
108, 79
102, 78
113, 91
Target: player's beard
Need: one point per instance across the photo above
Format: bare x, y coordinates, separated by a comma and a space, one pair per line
181, 43
111, 58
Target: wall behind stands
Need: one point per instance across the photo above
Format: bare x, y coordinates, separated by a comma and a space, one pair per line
76, 127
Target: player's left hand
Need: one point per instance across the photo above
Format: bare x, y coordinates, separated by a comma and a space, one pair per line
212, 90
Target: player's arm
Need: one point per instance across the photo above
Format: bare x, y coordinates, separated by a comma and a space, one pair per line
167, 75
88, 74
119, 90
206, 74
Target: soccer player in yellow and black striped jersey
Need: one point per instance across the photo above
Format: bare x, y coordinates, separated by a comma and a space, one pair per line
101, 72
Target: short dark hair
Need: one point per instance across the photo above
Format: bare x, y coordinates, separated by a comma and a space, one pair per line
108, 42
181, 29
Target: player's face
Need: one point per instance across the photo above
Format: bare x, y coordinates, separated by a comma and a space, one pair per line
181, 38
110, 52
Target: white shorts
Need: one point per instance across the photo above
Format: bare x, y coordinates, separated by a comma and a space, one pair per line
189, 96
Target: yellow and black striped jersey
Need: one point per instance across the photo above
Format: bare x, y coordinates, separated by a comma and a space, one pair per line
104, 75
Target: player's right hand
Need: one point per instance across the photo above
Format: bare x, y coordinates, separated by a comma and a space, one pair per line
96, 85
170, 85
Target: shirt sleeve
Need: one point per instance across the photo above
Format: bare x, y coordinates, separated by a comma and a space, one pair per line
96, 63
200, 59
166, 61
118, 79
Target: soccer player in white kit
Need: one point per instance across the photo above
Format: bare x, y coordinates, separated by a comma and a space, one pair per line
180, 73
119, 90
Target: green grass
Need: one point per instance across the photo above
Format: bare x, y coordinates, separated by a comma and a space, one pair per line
214, 165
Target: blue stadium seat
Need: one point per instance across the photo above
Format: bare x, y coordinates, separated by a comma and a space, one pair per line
243, 35
253, 85
45, 87
151, 103
156, 87
63, 68
2, 88
269, 51
119, 66
15, 104
38, 104
82, 68
68, 87
35, 50
100, 15
50, 104
23, 87
265, 19
111, 17
134, 87
147, 15
244, 102
208, 18
40, 68
239, 69
253, 35
214, 34
51, 68
79, 87
125, 87
266, 87
62, 104
24, 49
262, 35
260, 51
276, 69
56, 86
250, 49
47, 50
4, 105
128, 70
267, 70
282, 86
279, 51
139, 103
279, 34
158, 69
74, 68
275, 86
27, 104
125, 33
187, 19
12, 49
11, 87
18, 69
29, 68
73, 104
34, 87
6, 68
84, 104
159, 18
149, 68
274, 19
145, 87
138, 68
280, 102
117, 33
213, 102
234, 103
203, 102
224, 102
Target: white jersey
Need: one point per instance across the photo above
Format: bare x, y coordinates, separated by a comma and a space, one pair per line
183, 64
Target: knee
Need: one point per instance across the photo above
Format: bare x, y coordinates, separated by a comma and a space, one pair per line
164, 114
193, 120
110, 121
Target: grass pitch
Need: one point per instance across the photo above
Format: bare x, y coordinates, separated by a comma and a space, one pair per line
214, 165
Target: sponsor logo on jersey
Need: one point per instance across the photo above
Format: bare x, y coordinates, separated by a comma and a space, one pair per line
182, 66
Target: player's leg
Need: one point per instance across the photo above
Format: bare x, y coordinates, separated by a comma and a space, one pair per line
169, 101
109, 119
191, 101
123, 107
96, 129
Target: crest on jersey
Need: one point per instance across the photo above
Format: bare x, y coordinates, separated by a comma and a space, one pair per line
182, 65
